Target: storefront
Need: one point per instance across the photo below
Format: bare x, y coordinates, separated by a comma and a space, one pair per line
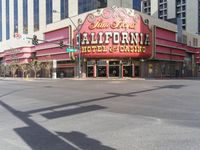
114, 42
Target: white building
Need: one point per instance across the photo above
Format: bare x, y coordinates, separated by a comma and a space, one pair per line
28, 17
187, 10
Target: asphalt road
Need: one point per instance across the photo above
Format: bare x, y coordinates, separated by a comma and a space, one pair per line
99, 114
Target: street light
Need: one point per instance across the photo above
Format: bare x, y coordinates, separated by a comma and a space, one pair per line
79, 50
79, 37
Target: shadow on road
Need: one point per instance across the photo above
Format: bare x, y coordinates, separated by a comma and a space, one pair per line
69, 112
83, 141
112, 95
39, 138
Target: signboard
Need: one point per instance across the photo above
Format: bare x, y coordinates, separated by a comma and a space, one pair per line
115, 32
68, 50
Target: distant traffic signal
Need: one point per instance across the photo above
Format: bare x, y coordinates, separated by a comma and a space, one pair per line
35, 40
61, 44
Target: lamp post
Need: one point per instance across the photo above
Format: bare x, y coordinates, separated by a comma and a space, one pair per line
79, 50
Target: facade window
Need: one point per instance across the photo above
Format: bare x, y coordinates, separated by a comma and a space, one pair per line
87, 5
183, 14
183, 21
49, 11
25, 16
7, 19
145, 4
199, 18
137, 5
0, 20
195, 42
184, 39
146, 7
36, 15
180, 11
183, 8
64, 9
15, 16
178, 2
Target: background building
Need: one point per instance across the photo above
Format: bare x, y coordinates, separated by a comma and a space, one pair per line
187, 10
37, 16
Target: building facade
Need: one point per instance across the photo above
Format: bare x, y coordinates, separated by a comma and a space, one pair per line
114, 41
187, 10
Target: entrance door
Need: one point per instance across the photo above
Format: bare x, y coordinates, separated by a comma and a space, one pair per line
114, 71
127, 71
101, 71
137, 71
90, 71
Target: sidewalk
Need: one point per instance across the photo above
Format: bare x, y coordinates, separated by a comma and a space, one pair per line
98, 78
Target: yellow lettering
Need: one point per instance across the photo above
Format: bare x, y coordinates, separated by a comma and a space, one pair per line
89, 49
84, 49
99, 49
94, 48
104, 49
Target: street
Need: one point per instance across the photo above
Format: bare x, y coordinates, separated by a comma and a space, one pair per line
99, 114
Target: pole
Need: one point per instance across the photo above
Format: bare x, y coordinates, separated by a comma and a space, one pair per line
79, 48
79, 55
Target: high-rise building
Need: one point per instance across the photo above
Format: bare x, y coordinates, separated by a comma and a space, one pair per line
187, 10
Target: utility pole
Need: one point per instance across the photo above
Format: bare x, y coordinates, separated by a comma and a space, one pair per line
79, 48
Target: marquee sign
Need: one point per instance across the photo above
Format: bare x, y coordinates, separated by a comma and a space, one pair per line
115, 32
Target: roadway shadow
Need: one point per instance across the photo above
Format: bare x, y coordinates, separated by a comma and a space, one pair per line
74, 111
110, 96
83, 141
38, 137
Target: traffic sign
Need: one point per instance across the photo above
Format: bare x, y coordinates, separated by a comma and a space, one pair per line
71, 50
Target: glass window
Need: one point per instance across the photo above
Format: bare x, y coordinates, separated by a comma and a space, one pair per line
7, 20
183, 14
36, 15
178, 2
64, 9
88, 5
137, 4
183, 21
165, 12
178, 15
49, 12
25, 16
145, 4
178, 9
0, 20
165, 5
184, 39
183, 7
199, 18
15, 16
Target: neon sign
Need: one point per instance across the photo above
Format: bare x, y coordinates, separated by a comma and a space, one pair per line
115, 32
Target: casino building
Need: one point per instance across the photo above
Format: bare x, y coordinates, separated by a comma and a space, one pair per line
111, 42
